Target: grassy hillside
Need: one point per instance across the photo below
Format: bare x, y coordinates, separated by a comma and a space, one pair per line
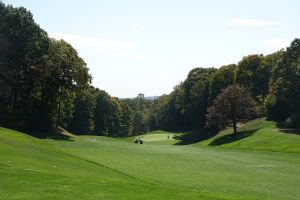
89, 167
258, 134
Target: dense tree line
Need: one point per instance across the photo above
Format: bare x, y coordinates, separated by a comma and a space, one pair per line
45, 84
273, 81
96, 112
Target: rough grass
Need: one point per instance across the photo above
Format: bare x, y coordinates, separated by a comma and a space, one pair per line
92, 167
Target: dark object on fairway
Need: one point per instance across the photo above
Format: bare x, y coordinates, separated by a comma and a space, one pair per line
136, 141
141, 141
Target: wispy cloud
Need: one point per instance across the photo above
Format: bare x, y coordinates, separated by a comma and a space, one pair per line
101, 45
116, 49
251, 22
137, 25
278, 43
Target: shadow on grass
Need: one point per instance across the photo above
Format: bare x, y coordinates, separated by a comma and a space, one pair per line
290, 131
53, 134
287, 128
59, 136
194, 137
232, 138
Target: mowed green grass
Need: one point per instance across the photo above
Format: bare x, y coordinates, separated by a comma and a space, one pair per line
159, 137
258, 134
92, 167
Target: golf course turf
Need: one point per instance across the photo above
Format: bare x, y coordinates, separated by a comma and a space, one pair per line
262, 164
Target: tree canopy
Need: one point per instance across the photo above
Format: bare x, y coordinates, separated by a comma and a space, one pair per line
44, 84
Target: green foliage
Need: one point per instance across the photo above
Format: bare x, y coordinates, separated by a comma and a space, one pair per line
114, 121
140, 114
251, 74
272, 80
284, 98
101, 113
185, 108
44, 83
222, 78
82, 120
40, 75
23, 44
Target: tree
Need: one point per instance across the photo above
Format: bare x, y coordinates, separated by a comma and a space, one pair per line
101, 112
249, 74
84, 108
194, 98
115, 118
283, 101
126, 125
23, 44
62, 74
221, 79
231, 106
140, 114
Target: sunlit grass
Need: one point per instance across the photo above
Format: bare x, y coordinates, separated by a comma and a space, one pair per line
92, 167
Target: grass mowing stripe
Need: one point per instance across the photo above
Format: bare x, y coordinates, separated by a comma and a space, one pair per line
56, 151
118, 169
101, 165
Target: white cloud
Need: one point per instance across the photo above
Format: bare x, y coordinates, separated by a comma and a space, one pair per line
278, 43
101, 45
137, 25
251, 22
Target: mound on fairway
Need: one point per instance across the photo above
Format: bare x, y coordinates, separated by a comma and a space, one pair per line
258, 134
91, 167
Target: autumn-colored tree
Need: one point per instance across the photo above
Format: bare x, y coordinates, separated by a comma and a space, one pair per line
230, 107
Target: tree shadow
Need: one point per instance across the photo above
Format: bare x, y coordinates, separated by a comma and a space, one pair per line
54, 134
290, 131
194, 137
60, 136
232, 138
286, 128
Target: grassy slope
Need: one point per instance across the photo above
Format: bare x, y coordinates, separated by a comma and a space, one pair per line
89, 168
258, 134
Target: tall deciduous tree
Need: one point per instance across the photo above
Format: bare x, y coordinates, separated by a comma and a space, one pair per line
283, 101
231, 106
222, 78
63, 73
84, 105
23, 45
249, 74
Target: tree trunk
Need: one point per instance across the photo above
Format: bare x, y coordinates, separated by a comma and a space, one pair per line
59, 107
234, 128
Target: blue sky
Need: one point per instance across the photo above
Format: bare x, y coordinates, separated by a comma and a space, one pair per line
149, 46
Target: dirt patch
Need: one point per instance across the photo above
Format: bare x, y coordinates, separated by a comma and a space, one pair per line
65, 132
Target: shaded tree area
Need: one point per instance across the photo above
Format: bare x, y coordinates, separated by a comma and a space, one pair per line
40, 76
23, 45
45, 84
283, 100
